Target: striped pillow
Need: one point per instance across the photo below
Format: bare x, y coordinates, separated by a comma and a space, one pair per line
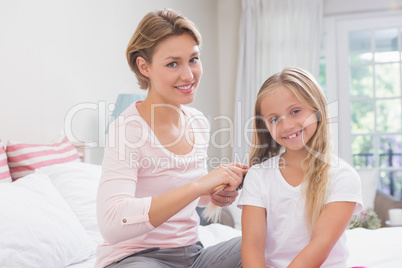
24, 158
4, 170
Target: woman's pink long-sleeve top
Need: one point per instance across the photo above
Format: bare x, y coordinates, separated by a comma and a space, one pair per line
135, 168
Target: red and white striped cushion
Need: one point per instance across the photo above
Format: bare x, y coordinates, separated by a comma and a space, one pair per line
4, 170
24, 158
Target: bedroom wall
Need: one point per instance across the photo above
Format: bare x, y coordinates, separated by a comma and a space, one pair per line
66, 60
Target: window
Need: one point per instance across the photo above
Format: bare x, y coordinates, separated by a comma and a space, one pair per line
367, 70
375, 104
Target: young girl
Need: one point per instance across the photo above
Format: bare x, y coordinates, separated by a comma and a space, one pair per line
297, 197
154, 171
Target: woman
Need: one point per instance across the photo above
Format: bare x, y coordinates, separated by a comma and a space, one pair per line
154, 169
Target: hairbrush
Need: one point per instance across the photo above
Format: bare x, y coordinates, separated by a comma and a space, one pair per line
212, 212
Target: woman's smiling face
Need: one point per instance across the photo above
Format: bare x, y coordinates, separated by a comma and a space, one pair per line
290, 122
176, 70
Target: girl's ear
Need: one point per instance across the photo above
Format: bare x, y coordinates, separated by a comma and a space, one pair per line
142, 66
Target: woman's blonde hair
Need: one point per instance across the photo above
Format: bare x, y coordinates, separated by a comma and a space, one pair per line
153, 28
316, 165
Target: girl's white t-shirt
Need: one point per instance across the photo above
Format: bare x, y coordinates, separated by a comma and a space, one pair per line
287, 232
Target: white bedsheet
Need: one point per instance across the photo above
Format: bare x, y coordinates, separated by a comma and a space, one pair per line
85, 264
381, 248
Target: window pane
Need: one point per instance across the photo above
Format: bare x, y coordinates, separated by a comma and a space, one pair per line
362, 117
386, 45
360, 47
363, 152
389, 115
390, 151
391, 183
361, 81
387, 80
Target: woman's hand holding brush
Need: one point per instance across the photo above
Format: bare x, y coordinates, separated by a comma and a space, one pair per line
225, 193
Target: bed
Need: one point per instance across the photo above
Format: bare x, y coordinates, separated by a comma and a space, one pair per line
48, 216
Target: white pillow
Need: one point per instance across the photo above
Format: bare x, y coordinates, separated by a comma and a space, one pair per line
369, 181
38, 228
78, 183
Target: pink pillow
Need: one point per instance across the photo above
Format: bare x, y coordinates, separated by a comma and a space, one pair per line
24, 158
4, 170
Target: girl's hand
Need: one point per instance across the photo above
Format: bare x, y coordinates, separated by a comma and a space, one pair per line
230, 175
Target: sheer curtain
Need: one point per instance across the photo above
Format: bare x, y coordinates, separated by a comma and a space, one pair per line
273, 34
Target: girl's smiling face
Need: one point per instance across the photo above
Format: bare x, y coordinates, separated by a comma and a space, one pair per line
290, 122
175, 71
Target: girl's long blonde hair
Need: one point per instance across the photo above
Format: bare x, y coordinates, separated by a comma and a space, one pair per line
316, 165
